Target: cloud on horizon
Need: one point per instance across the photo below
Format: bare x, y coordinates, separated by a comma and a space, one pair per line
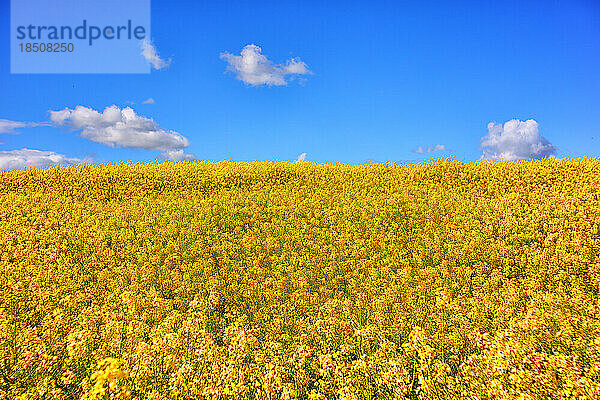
254, 68
177, 155
301, 157
29, 158
429, 149
372, 161
117, 127
151, 55
515, 140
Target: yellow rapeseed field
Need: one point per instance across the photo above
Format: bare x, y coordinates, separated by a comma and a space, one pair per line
278, 280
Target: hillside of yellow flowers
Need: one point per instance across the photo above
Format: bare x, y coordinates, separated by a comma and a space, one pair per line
279, 280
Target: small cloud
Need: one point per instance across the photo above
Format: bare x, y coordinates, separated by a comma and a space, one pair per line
429, 149
515, 140
149, 100
177, 155
256, 69
296, 66
301, 157
151, 55
117, 127
8, 126
371, 161
28, 158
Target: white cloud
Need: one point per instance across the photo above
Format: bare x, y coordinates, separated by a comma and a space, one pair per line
117, 127
177, 155
8, 126
151, 55
429, 149
149, 100
256, 69
516, 140
28, 158
301, 157
371, 161
296, 66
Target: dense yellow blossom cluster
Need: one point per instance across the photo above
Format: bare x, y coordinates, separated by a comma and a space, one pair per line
277, 280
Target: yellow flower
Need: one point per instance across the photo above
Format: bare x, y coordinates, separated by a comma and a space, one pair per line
270, 280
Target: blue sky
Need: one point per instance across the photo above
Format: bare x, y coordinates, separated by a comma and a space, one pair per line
386, 78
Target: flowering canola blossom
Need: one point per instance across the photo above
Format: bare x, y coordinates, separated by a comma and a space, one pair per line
278, 280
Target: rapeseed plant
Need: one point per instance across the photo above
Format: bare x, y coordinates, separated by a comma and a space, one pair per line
275, 280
